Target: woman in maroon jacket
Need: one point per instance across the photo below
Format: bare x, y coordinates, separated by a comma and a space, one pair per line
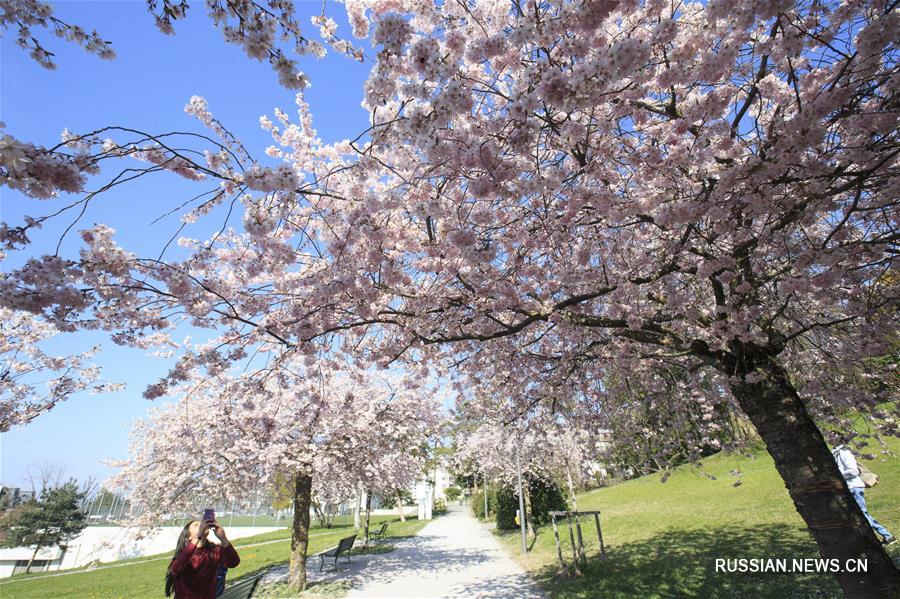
192, 572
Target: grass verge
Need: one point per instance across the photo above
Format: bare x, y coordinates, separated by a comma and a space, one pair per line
143, 577
662, 539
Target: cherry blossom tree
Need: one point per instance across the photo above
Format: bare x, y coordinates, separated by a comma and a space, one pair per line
328, 433
546, 448
550, 190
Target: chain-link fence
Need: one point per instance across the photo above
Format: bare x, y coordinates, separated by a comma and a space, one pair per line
108, 509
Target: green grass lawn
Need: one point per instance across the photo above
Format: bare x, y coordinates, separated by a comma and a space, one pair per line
662, 539
134, 579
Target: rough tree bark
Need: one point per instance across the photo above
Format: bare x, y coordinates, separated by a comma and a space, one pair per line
810, 473
368, 515
400, 505
300, 533
529, 523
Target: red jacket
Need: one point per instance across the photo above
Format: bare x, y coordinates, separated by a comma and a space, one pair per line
195, 570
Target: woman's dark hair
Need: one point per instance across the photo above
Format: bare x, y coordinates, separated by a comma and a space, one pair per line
183, 539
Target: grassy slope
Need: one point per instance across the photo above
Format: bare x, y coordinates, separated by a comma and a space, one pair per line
140, 580
662, 539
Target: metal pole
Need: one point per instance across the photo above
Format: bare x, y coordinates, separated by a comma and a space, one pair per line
485, 497
521, 501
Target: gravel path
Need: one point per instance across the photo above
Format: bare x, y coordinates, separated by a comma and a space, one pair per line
454, 556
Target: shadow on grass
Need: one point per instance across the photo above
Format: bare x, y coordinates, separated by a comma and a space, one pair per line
681, 563
332, 589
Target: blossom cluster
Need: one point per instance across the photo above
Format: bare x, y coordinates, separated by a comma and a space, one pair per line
32, 381
40, 173
26, 15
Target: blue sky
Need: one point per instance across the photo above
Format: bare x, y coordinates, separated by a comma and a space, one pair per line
146, 88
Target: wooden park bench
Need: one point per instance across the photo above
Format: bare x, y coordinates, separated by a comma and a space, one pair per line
379, 534
344, 546
243, 589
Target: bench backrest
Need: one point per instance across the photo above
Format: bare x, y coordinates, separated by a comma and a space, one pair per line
346, 544
383, 528
242, 589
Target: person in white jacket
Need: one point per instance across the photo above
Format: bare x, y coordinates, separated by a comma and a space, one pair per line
850, 471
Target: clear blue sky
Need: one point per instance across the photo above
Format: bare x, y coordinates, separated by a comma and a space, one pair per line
145, 87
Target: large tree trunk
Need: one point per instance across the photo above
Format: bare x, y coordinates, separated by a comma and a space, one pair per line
300, 533
810, 474
529, 521
356, 522
400, 505
368, 515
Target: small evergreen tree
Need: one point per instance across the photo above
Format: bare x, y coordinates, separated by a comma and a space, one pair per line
54, 519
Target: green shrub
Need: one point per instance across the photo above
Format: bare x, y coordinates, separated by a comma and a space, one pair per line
453, 493
507, 505
476, 500
546, 496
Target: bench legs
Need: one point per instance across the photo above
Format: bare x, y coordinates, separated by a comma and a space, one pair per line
322, 561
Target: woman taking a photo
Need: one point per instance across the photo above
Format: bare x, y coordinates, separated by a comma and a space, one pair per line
192, 571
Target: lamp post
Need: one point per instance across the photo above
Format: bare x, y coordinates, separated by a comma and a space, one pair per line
485, 497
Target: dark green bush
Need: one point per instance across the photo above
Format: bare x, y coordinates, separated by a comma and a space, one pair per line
507, 504
546, 496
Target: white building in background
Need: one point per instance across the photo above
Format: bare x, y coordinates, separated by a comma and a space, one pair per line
442, 481
432, 488
15, 560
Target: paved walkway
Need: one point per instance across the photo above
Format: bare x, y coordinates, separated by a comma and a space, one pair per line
454, 556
